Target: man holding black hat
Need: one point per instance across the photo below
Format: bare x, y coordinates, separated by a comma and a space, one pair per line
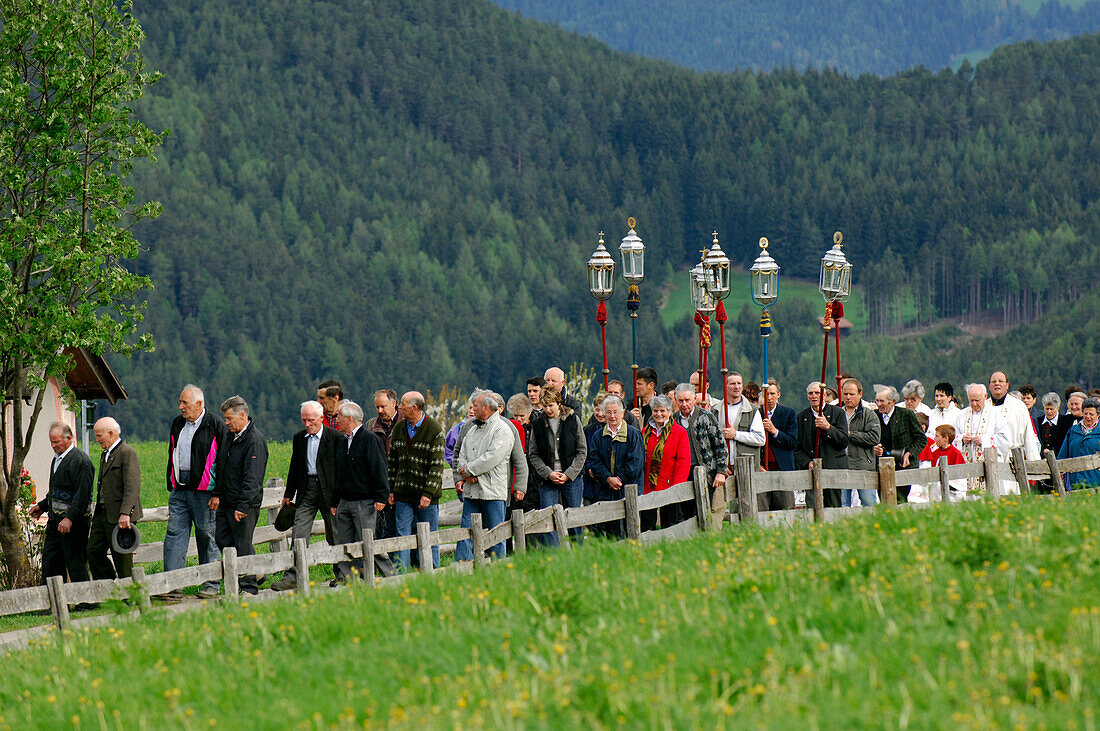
65, 547
118, 501
310, 480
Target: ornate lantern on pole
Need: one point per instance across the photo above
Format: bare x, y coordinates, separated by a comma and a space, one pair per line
632, 251
704, 306
601, 285
835, 285
716, 267
764, 284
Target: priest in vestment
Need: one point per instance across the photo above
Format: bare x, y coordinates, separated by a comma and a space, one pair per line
977, 427
1019, 429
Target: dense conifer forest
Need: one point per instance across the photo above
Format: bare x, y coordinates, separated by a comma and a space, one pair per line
404, 194
854, 36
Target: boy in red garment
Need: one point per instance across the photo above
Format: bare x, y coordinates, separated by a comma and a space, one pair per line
942, 447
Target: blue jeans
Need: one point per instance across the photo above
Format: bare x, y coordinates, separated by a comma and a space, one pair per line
408, 514
187, 508
866, 497
492, 515
568, 496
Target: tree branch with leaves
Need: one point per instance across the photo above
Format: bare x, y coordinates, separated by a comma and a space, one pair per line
70, 74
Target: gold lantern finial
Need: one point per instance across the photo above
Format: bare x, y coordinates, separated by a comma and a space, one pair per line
631, 223
764, 243
838, 238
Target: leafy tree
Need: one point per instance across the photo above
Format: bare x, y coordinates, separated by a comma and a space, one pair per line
70, 72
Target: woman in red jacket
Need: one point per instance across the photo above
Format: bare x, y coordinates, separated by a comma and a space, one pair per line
667, 460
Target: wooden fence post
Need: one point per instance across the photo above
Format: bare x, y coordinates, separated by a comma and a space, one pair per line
989, 465
746, 492
701, 491
633, 515
301, 566
138, 577
1019, 470
818, 492
945, 484
477, 540
1055, 473
424, 547
59, 606
560, 527
887, 487
519, 532
366, 538
229, 572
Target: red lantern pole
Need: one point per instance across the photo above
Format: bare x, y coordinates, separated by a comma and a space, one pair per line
838, 313
720, 316
827, 324
601, 317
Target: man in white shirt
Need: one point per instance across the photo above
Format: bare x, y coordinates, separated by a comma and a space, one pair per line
977, 427
1019, 430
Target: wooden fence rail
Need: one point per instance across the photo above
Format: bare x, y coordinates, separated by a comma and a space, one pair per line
56, 596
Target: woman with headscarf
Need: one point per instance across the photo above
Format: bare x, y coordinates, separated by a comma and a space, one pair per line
667, 460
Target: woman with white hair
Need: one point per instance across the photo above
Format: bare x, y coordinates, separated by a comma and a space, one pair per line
667, 460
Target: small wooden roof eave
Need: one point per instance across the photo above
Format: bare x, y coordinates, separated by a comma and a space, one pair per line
91, 377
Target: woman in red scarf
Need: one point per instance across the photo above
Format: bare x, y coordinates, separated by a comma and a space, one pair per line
667, 460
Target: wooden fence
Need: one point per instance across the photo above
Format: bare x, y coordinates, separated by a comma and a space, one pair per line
740, 494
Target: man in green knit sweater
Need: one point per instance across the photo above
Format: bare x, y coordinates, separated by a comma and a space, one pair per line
416, 470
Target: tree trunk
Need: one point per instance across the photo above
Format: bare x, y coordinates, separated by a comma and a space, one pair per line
17, 565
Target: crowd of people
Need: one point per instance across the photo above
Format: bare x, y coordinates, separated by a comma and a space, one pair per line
385, 474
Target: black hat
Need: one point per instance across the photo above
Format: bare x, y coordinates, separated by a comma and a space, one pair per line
284, 521
125, 540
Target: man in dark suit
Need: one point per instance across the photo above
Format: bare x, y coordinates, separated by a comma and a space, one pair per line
118, 501
65, 547
311, 478
822, 432
362, 488
239, 489
781, 433
901, 434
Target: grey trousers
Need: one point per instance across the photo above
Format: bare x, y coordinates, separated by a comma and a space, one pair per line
310, 501
352, 518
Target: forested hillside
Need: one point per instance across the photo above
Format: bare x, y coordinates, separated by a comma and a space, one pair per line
404, 194
854, 36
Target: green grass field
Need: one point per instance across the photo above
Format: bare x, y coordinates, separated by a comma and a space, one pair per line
678, 305
974, 615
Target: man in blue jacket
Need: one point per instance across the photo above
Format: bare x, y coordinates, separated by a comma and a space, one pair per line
616, 458
239, 491
781, 432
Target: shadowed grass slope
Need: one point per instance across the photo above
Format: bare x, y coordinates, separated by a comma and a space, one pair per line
967, 615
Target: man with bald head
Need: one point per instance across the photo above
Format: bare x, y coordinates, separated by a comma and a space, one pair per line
118, 501
555, 379
1019, 430
310, 480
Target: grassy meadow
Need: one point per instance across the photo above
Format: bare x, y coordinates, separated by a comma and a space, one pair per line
973, 615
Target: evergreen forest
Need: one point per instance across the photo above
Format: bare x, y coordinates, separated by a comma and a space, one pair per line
854, 36
404, 194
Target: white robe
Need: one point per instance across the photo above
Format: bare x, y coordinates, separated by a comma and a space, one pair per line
942, 416
1019, 433
989, 427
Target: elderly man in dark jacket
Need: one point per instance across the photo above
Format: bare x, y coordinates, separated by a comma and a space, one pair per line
68, 505
239, 490
829, 422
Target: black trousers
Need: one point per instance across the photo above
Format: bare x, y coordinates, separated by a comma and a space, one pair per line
65, 554
670, 516
99, 542
228, 531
